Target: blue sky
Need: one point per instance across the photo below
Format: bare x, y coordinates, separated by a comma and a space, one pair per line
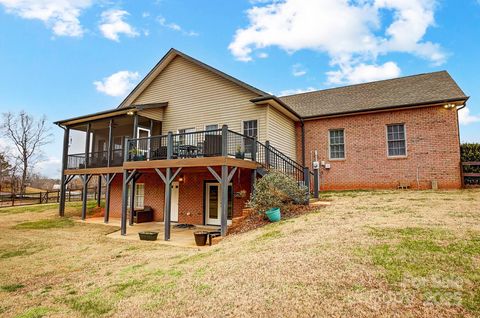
67, 58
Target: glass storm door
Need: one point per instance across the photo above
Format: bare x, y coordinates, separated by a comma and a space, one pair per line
213, 204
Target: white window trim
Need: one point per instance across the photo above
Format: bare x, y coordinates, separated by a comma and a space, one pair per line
218, 126
406, 143
242, 131
135, 196
344, 146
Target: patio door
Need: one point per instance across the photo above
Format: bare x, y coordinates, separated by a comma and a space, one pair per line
174, 202
213, 203
143, 145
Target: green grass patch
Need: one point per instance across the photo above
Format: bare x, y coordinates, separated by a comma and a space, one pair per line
270, 235
36, 312
45, 224
93, 304
440, 265
194, 258
11, 287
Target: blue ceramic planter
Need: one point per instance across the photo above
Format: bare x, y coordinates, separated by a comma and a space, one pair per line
273, 214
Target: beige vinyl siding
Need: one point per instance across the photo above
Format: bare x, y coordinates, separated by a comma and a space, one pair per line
155, 113
197, 97
281, 132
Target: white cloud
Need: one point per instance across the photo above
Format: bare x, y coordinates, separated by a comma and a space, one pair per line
296, 91
112, 25
62, 16
352, 33
262, 55
49, 167
117, 84
363, 73
465, 118
175, 27
298, 70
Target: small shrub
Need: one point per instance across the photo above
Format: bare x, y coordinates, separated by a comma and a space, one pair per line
470, 152
276, 190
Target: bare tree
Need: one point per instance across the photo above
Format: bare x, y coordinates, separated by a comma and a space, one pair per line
28, 135
5, 168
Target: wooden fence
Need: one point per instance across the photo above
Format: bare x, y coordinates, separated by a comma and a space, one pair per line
16, 199
471, 174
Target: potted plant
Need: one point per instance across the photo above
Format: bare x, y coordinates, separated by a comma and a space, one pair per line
148, 236
239, 154
136, 154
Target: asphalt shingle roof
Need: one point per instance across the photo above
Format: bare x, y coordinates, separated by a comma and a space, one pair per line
398, 92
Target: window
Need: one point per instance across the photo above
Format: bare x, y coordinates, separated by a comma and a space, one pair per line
139, 195
186, 138
337, 144
250, 128
396, 140
211, 127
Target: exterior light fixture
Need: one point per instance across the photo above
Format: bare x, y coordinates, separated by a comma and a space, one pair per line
131, 112
180, 179
449, 106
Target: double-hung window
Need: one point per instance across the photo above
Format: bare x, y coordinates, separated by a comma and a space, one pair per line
337, 143
397, 145
250, 129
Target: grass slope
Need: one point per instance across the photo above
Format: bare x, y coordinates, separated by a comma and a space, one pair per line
382, 253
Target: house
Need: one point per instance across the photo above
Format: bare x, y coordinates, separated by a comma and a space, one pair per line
189, 141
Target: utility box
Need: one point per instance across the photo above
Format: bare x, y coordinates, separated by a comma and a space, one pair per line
316, 165
434, 185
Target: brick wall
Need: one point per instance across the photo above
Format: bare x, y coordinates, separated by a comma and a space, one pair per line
191, 194
432, 150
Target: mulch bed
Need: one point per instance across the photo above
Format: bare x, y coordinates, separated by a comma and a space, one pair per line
256, 220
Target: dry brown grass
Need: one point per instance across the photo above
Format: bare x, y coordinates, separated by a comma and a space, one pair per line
353, 258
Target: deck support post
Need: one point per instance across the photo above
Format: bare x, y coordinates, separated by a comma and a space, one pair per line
127, 177
316, 182
85, 179
167, 179
123, 221
224, 203
306, 180
99, 190
224, 181
108, 180
63, 184
132, 196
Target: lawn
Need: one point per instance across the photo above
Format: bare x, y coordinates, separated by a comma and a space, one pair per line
381, 253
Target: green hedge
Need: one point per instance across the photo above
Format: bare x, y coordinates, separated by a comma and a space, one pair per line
471, 152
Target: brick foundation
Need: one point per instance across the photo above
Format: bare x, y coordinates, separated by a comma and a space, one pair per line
191, 194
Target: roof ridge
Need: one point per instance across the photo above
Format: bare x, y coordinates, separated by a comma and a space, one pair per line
365, 83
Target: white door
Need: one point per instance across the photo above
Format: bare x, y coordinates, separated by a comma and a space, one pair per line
213, 206
174, 202
143, 145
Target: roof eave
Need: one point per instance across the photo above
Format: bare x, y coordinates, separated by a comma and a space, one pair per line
267, 98
394, 107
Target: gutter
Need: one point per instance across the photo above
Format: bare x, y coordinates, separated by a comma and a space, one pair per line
464, 99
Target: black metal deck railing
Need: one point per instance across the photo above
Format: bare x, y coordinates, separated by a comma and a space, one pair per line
211, 143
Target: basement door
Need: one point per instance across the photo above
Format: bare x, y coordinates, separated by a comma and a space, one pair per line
174, 202
213, 203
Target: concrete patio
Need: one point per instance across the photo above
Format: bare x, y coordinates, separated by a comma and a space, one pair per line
181, 237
